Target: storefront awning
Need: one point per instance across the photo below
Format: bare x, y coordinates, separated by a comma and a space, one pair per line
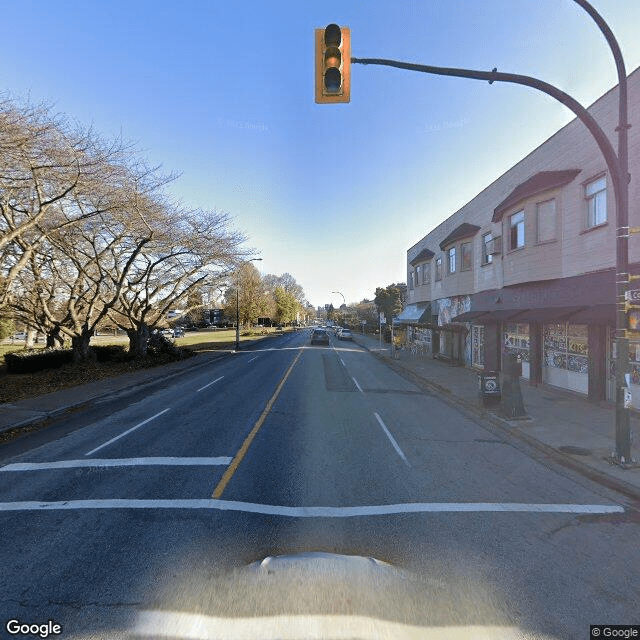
414, 313
597, 314
547, 314
468, 316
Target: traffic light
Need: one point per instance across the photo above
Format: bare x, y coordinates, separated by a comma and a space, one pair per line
633, 316
333, 64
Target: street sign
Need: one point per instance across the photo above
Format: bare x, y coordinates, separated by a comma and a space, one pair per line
632, 296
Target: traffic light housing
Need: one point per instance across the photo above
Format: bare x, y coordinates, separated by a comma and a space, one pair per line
333, 64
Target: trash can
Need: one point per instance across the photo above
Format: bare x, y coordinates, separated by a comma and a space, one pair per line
489, 387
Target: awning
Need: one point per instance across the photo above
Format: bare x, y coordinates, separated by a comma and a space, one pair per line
468, 316
597, 314
414, 313
547, 314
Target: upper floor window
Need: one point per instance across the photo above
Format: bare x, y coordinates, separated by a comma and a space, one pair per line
595, 192
546, 220
418, 281
465, 256
516, 230
451, 260
425, 274
411, 279
439, 268
487, 257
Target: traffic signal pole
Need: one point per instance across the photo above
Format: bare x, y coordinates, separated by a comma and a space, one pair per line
617, 164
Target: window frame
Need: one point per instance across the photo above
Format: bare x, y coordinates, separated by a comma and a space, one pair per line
486, 258
555, 220
451, 260
469, 246
592, 198
512, 227
438, 274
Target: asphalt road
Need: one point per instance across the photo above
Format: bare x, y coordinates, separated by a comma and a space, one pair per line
147, 520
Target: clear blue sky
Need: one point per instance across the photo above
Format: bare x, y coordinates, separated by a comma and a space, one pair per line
222, 92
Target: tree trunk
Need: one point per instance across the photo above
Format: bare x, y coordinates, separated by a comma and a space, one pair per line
80, 345
54, 339
30, 339
138, 339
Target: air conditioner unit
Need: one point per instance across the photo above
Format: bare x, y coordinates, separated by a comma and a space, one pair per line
494, 246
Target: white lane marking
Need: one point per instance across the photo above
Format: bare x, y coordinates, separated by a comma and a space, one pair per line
125, 433
252, 359
357, 385
392, 439
208, 385
313, 512
341, 360
117, 462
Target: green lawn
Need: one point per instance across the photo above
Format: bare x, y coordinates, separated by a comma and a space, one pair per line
196, 340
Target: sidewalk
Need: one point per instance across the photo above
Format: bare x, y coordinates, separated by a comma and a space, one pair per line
555, 418
25, 412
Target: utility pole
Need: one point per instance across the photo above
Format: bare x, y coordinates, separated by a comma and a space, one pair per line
617, 165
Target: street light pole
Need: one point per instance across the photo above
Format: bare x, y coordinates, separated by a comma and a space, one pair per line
617, 164
238, 299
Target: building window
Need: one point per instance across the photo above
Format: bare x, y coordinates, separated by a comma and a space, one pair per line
566, 346
546, 221
451, 260
411, 277
516, 230
426, 272
477, 349
438, 268
595, 193
487, 257
418, 281
465, 256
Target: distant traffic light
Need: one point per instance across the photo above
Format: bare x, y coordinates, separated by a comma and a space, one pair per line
634, 319
333, 64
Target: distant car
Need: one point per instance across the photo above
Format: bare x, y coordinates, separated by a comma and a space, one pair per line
319, 336
345, 334
178, 333
20, 336
337, 331
168, 333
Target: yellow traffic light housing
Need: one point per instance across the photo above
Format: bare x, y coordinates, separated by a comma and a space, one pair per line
333, 64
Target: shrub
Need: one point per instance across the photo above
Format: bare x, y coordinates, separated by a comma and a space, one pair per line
32, 360
110, 352
159, 344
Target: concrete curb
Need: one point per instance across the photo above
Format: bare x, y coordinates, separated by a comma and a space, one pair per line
472, 410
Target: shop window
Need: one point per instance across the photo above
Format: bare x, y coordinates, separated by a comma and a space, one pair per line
516, 340
566, 347
477, 345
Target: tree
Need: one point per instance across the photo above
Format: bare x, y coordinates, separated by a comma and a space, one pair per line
287, 306
390, 300
249, 293
49, 171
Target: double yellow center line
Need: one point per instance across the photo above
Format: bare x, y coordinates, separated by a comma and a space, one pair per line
231, 469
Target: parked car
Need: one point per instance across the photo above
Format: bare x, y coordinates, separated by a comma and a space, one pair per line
319, 336
178, 333
168, 333
345, 334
